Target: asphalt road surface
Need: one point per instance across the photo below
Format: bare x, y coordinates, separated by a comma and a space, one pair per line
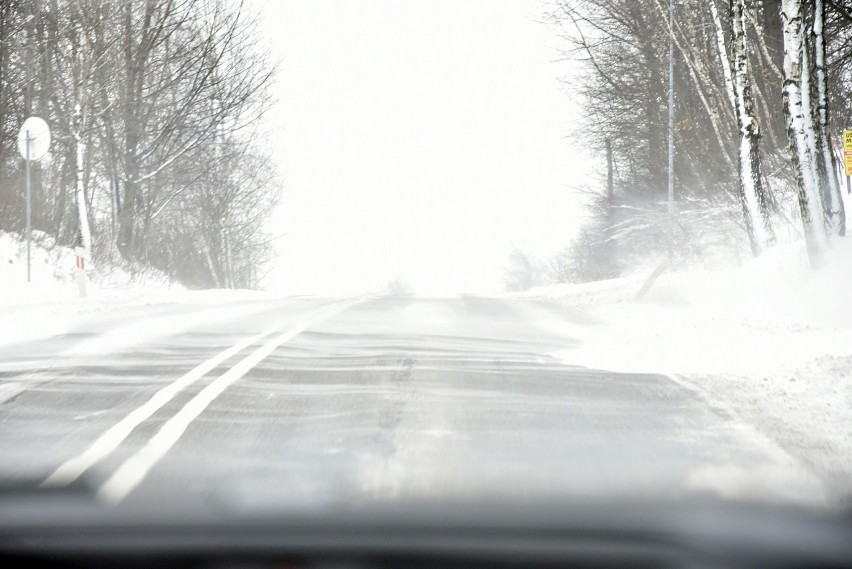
307, 399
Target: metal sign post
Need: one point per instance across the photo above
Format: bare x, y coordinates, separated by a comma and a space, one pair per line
33, 144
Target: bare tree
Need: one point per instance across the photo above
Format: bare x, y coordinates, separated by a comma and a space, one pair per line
731, 137
148, 101
80, 50
521, 272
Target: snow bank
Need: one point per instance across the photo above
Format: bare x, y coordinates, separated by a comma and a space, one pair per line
770, 314
50, 305
53, 272
771, 341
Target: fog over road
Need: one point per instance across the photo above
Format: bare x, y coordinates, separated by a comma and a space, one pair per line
304, 399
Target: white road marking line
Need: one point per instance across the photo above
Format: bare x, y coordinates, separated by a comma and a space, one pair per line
71, 469
115, 339
134, 470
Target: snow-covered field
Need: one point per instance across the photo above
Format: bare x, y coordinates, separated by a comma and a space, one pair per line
770, 341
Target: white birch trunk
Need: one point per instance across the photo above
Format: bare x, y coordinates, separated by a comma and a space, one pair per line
800, 129
211, 266
808, 109
723, 53
753, 198
832, 194
229, 259
78, 128
80, 186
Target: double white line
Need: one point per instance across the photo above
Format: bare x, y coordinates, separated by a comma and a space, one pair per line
134, 470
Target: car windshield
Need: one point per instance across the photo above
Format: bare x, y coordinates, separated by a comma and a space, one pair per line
314, 251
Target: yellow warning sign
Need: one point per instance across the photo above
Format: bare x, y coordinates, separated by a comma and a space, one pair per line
847, 151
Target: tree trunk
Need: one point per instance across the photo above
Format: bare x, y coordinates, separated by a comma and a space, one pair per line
699, 80
78, 128
229, 259
211, 266
654, 118
723, 52
85, 232
800, 129
128, 209
827, 168
752, 196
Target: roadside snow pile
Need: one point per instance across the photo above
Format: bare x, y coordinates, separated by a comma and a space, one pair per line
770, 341
50, 304
594, 293
770, 314
47, 266
53, 272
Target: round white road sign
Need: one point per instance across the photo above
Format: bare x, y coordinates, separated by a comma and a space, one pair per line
39, 134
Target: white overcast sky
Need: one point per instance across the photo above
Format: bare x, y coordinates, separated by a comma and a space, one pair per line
418, 138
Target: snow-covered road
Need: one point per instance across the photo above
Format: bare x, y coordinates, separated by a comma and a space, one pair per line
368, 398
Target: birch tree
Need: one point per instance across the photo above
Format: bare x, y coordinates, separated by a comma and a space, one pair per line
799, 131
723, 51
752, 195
136, 93
78, 131
75, 25
195, 57
735, 179
826, 161
807, 124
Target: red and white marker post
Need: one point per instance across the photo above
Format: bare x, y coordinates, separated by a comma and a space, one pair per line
81, 271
